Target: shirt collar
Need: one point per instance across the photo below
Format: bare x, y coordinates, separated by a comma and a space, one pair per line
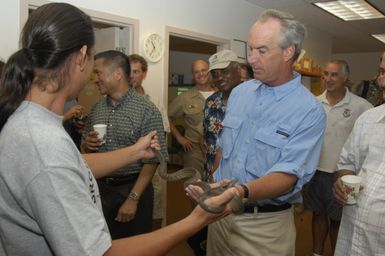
195, 92
382, 116
284, 89
345, 100
128, 95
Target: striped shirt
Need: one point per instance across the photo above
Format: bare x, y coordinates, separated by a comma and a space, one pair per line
363, 224
132, 117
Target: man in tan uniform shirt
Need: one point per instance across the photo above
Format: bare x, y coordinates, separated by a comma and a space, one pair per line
189, 106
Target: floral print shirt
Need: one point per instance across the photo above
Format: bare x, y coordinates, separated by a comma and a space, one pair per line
214, 113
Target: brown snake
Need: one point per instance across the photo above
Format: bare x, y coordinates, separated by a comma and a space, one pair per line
194, 178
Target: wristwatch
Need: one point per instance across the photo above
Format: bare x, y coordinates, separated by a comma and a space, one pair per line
245, 190
133, 195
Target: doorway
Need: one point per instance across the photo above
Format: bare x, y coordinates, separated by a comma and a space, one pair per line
184, 47
112, 32
183, 52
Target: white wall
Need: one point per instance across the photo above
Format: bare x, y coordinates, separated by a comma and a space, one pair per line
9, 27
363, 66
228, 19
318, 46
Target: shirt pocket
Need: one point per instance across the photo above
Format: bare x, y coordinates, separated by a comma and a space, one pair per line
194, 112
268, 145
229, 134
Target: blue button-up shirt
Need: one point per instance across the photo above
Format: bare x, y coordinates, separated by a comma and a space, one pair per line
271, 129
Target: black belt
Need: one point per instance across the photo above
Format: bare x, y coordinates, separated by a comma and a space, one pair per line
253, 208
120, 180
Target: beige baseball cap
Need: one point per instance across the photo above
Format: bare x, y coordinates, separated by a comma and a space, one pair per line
222, 59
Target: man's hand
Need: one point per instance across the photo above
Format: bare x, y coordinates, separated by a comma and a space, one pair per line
195, 192
127, 211
186, 144
92, 142
339, 192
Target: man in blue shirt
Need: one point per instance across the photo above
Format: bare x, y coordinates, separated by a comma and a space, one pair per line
271, 140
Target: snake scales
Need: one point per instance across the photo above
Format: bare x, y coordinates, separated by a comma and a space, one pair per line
193, 176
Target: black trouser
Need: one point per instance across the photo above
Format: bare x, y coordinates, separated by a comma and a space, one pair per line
198, 241
113, 196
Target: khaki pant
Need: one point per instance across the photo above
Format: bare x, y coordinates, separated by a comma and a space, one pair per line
158, 196
253, 234
194, 158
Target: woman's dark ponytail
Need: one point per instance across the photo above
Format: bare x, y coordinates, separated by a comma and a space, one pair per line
16, 81
52, 33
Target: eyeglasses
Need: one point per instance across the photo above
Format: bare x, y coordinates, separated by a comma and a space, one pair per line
381, 71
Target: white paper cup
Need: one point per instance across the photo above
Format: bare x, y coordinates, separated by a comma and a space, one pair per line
102, 130
352, 187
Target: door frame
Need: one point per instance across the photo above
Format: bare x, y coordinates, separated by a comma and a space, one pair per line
221, 43
96, 16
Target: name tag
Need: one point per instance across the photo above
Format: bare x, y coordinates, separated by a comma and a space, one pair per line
282, 133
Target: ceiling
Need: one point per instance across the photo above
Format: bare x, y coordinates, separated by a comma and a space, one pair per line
347, 37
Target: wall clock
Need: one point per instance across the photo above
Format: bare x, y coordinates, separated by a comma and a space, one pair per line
153, 47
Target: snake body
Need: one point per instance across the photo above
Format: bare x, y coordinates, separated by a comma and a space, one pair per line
193, 177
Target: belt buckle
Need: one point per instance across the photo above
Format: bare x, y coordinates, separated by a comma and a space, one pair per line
246, 203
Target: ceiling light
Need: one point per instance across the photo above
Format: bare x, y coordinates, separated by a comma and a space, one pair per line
350, 9
380, 37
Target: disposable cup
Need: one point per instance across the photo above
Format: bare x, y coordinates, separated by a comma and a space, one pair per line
102, 130
352, 187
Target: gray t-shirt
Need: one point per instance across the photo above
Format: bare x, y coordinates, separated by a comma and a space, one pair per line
49, 199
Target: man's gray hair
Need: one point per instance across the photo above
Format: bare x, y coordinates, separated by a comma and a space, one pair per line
292, 31
344, 65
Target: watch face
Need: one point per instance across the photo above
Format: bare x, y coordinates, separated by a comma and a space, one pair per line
153, 47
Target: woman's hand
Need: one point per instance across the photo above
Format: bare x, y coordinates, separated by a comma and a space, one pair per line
200, 214
147, 145
195, 191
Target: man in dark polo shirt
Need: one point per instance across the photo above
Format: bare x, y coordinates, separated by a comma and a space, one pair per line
127, 195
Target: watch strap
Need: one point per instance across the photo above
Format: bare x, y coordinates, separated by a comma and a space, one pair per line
245, 190
133, 195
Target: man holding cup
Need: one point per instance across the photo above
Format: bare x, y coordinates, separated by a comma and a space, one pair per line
127, 194
101, 129
363, 223
342, 108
